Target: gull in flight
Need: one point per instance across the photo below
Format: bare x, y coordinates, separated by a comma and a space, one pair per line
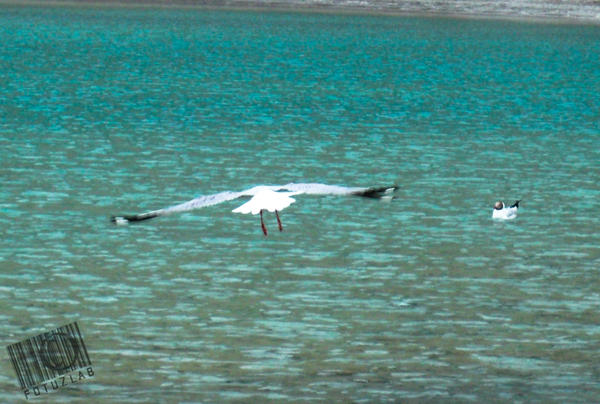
271, 198
505, 213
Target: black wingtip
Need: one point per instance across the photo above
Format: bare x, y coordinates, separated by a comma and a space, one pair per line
132, 218
516, 204
377, 192
119, 220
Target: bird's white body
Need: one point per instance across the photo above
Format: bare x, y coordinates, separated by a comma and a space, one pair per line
506, 213
268, 200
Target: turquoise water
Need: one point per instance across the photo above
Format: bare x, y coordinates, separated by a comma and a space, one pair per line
108, 111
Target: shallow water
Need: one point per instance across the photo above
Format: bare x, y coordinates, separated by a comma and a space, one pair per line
110, 111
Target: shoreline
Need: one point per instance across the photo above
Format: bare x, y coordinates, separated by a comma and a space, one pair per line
327, 8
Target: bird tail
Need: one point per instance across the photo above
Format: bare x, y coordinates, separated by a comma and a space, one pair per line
377, 192
516, 204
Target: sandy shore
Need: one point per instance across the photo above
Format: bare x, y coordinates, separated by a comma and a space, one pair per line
550, 10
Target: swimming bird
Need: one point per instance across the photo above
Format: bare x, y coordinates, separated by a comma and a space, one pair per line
502, 212
272, 198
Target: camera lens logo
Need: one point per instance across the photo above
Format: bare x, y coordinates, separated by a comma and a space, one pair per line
59, 351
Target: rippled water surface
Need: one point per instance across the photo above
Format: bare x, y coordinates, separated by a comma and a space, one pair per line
108, 111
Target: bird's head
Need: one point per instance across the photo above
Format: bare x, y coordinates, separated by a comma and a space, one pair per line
499, 205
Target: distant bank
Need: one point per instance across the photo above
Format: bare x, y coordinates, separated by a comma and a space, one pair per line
553, 10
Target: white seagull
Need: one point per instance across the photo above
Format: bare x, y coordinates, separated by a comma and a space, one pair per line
272, 198
502, 212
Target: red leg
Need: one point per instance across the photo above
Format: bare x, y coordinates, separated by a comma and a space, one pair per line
279, 221
262, 223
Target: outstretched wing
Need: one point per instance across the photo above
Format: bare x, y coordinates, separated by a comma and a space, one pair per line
324, 189
196, 203
319, 189
210, 200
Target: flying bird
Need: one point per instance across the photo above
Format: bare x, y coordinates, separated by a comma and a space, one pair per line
502, 212
271, 198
